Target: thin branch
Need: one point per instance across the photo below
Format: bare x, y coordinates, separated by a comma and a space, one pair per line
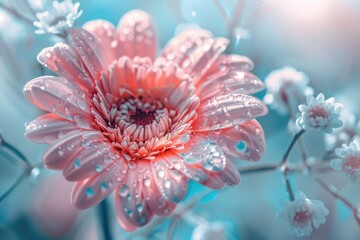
258, 169
11, 189
288, 151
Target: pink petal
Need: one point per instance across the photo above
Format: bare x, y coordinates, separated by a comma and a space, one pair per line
194, 51
228, 110
170, 182
155, 201
131, 209
90, 51
66, 148
232, 63
91, 191
245, 141
137, 35
48, 128
95, 158
193, 172
63, 60
230, 175
51, 209
229, 82
57, 95
106, 34
202, 152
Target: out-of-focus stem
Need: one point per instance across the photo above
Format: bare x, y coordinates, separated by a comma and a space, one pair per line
288, 186
172, 227
16, 14
104, 219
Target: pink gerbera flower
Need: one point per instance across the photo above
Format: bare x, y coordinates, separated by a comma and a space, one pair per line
121, 119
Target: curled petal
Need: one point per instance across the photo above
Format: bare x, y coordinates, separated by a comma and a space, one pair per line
67, 148
91, 191
137, 35
234, 82
48, 128
228, 110
106, 35
245, 141
63, 60
95, 159
156, 202
89, 50
131, 209
170, 182
57, 95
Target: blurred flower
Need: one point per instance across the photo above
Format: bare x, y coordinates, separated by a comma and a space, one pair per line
211, 231
302, 215
286, 88
344, 134
349, 160
320, 114
124, 120
57, 17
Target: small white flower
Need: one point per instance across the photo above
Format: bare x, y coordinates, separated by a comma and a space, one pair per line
211, 231
349, 160
320, 114
57, 17
344, 134
302, 215
286, 88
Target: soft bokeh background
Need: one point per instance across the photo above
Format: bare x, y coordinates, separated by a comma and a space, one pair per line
319, 37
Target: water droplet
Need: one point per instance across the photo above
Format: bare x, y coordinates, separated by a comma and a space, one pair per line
69, 147
240, 146
90, 192
161, 173
167, 184
124, 190
103, 186
60, 152
147, 182
131, 165
98, 168
107, 160
77, 163
142, 219
139, 207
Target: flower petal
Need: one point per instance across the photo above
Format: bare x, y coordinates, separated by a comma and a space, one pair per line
170, 182
228, 110
106, 35
57, 95
48, 128
131, 209
67, 148
155, 201
245, 141
137, 35
194, 51
96, 157
89, 50
229, 82
91, 191
63, 60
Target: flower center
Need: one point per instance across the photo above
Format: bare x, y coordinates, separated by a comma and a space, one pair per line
318, 117
302, 218
352, 165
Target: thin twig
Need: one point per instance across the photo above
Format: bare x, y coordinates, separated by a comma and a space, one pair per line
11, 189
296, 137
257, 169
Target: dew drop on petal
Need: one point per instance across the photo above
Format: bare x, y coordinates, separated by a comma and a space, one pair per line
124, 190
90, 192
161, 173
98, 168
240, 146
77, 163
139, 207
147, 182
